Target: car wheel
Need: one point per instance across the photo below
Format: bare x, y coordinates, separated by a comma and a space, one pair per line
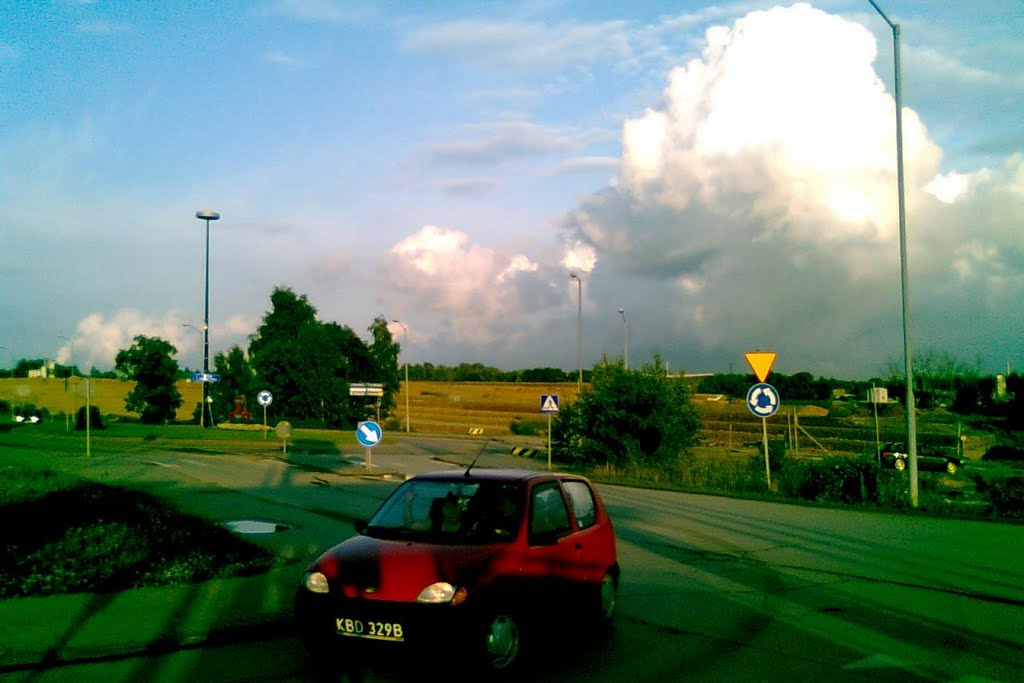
900, 464
608, 597
502, 642
951, 467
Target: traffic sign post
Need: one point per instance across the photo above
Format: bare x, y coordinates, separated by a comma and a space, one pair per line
549, 405
264, 398
369, 434
763, 401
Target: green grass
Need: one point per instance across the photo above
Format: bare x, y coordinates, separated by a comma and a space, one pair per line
65, 535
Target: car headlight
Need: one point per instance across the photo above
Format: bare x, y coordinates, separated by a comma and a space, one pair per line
440, 593
315, 582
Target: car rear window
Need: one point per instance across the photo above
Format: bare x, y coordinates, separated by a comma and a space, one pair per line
583, 505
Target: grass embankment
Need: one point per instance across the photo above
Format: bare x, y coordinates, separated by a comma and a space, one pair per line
66, 535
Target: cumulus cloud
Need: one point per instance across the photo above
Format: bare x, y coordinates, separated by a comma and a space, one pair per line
97, 338
761, 192
477, 292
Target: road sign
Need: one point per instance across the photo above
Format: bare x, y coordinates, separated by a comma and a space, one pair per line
366, 389
761, 363
264, 398
205, 377
549, 403
763, 400
369, 433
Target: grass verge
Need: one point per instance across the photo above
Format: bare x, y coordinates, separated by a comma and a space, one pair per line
66, 535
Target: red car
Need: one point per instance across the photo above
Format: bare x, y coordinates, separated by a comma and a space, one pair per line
468, 559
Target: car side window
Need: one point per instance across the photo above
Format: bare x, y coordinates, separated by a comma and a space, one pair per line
582, 500
548, 514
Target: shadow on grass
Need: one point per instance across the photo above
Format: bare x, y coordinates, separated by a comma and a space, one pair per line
106, 539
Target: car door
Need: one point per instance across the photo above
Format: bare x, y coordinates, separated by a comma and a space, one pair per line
552, 549
593, 538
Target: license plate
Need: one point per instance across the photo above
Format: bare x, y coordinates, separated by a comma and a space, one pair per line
373, 630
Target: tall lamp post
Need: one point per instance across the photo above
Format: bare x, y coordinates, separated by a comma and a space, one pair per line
579, 329
405, 330
625, 339
904, 280
206, 215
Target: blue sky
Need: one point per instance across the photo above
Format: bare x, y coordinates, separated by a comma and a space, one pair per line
724, 173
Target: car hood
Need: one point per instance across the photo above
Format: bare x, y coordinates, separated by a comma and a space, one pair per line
396, 570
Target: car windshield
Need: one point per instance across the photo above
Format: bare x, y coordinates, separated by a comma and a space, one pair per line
449, 512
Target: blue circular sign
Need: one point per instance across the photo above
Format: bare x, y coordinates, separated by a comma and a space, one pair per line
265, 398
763, 400
369, 433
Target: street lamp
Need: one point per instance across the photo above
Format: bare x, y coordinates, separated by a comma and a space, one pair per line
904, 280
207, 216
579, 328
406, 350
202, 411
625, 340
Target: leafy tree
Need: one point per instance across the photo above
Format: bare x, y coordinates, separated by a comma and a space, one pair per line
627, 417
308, 365
384, 352
150, 362
236, 379
273, 352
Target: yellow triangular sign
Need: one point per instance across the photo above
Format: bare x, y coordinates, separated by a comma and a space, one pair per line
761, 363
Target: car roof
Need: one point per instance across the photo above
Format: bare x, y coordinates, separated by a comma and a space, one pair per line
494, 474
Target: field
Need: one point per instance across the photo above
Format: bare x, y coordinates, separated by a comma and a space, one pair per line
503, 409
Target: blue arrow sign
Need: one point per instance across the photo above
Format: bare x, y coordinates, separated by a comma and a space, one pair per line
763, 400
205, 377
369, 433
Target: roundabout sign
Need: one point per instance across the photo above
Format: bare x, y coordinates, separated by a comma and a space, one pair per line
763, 400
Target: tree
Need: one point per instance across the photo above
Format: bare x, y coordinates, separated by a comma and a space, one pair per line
384, 352
627, 417
236, 379
308, 365
150, 362
273, 352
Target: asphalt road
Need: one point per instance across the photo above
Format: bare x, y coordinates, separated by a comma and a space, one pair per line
713, 589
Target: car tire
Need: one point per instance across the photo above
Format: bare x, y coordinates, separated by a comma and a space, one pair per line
950, 467
900, 464
502, 640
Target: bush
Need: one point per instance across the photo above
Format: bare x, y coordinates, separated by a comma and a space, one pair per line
527, 428
839, 480
95, 419
1004, 453
1005, 495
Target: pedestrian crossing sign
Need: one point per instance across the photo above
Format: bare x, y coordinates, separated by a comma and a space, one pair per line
549, 403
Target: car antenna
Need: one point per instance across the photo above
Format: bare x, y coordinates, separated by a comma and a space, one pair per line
466, 473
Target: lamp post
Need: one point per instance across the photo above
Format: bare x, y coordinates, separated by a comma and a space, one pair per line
207, 216
202, 410
579, 329
405, 330
625, 339
904, 280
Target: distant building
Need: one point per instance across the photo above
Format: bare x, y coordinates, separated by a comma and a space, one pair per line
43, 371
